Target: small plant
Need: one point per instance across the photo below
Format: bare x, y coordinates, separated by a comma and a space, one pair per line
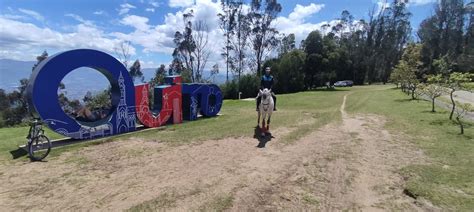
457, 81
433, 89
461, 111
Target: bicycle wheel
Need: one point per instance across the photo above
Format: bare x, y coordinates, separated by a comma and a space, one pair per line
39, 148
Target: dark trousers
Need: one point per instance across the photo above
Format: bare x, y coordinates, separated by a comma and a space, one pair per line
259, 99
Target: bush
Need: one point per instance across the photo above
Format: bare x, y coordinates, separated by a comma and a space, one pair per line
229, 90
249, 84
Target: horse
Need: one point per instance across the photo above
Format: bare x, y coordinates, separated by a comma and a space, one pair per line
265, 109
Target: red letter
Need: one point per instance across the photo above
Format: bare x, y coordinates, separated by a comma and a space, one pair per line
171, 104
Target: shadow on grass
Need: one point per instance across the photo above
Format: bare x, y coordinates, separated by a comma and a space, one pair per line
65, 142
330, 89
458, 133
442, 122
436, 112
403, 100
262, 140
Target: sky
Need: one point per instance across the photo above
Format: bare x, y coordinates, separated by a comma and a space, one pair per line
28, 27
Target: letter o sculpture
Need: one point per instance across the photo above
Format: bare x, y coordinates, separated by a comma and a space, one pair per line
43, 99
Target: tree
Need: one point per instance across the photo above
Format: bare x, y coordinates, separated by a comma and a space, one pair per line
408, 77
433, 89
455, 82
287, 44
18, 101
200, 53
461, 111
100, 102
314, 58
185, 46
159, 77
291, 72
4, 104
227, 24
40, 58
122, 50
331, 60
263, 34
388, 34
136, 72
442, 33
214, 72
407, 71
241, 31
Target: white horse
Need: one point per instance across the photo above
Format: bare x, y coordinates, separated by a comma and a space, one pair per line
265, 109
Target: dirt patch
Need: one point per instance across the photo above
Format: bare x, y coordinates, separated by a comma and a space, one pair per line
349, 166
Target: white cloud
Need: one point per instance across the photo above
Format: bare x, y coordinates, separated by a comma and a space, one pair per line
80, 19
180, 3
420, 2
23, 41
154, 3
14, 17
382, 5
32, 13
295, 22
124, 8
139, 22
99, 12
301, 12
150, 10
26, 40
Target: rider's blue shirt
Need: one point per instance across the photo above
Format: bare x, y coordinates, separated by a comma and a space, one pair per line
266, 82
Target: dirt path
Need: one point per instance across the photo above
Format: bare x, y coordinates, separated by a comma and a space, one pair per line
348, 165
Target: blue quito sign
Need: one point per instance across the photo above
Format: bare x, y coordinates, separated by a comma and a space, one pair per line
206, 97
47, 76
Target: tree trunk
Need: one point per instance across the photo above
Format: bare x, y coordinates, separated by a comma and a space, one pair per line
433, 105
460, 125
259, 74
454, 104
227, 58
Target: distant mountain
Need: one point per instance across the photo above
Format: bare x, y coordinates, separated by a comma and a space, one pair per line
11, 71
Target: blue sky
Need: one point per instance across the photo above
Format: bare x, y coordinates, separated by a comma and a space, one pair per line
28, 27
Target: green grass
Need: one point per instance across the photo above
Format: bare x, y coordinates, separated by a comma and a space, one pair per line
238, 119
159, 203
447, 180
219, 203
309, 199
13, 137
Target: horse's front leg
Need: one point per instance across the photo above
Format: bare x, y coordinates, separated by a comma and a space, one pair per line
268, 122
258, 119
263, 129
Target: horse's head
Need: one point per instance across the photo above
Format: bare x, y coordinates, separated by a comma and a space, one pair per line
265, 93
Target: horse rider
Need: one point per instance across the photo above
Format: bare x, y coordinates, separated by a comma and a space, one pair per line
267, 82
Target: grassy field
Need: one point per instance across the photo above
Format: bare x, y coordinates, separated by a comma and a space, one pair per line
305, 112
446, 180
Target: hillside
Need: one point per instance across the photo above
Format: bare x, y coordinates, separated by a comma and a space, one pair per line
363, 148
